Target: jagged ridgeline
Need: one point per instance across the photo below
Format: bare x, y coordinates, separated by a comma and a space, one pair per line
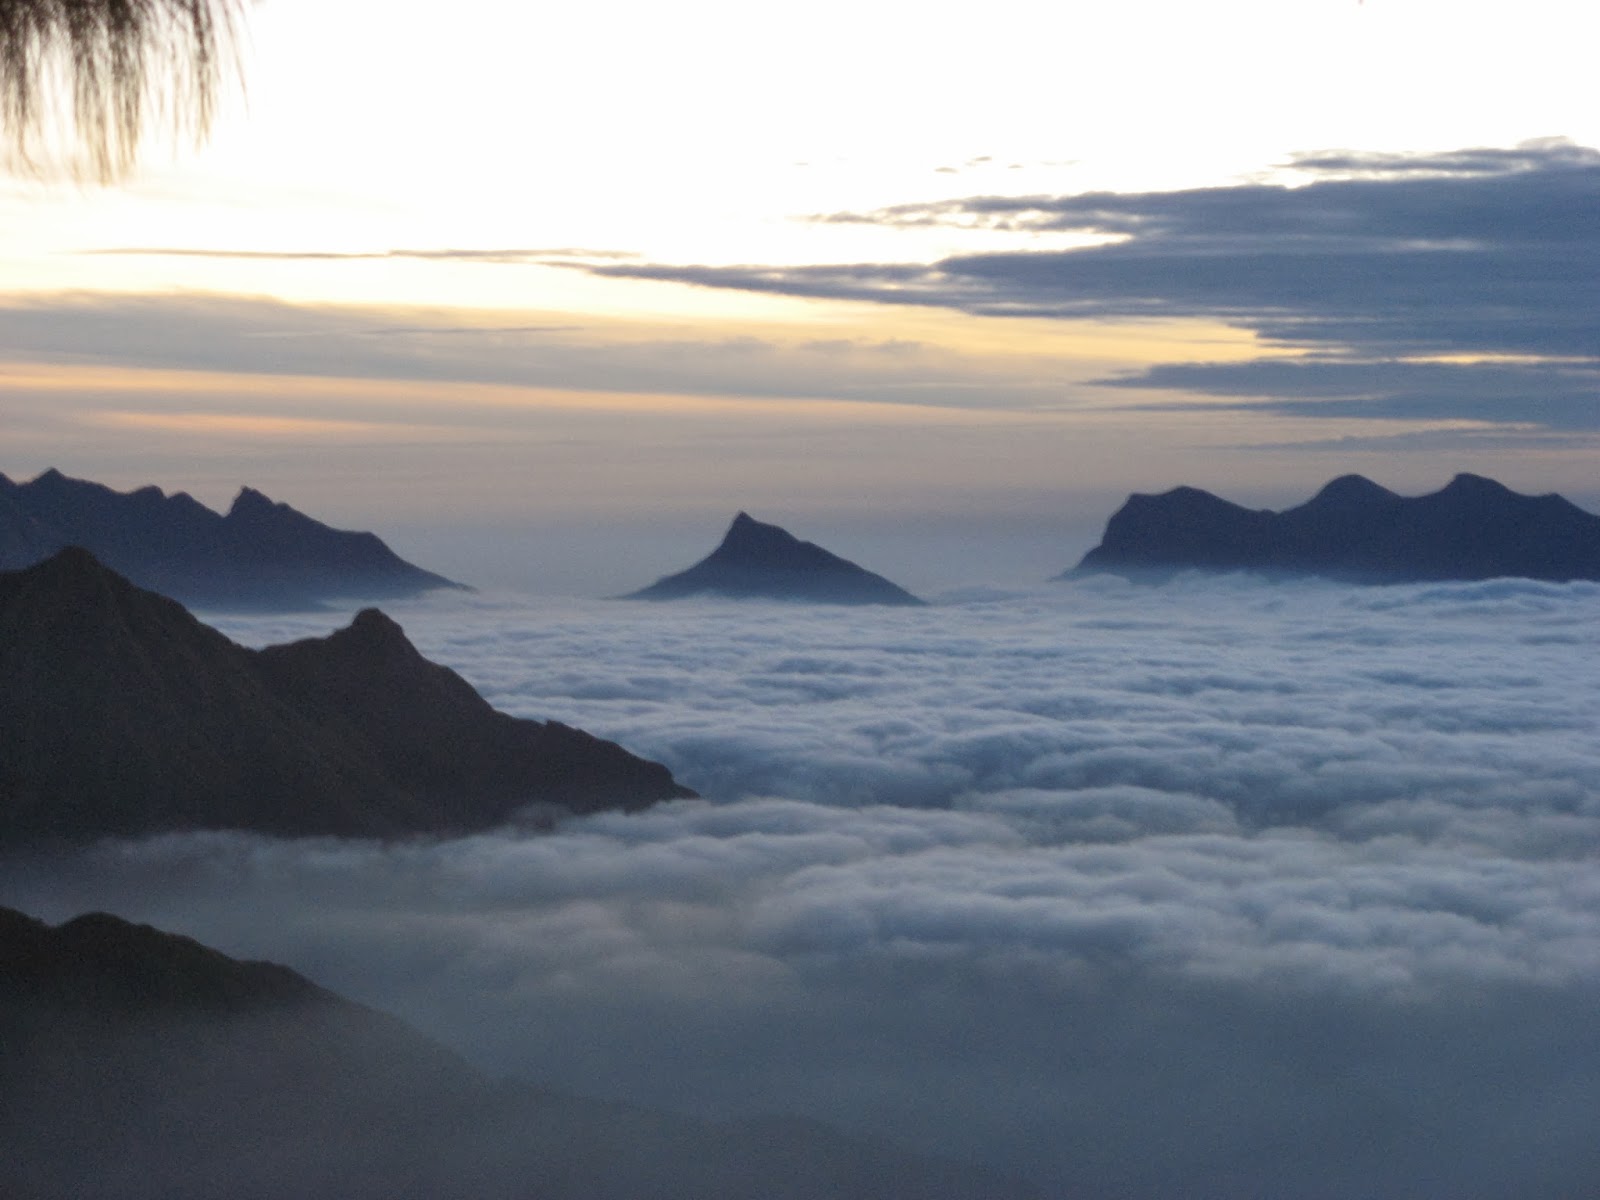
760, 561
1357, 531
260, 554
123, 714
142, 1066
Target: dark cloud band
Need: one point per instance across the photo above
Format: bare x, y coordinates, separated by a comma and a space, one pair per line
1471, 253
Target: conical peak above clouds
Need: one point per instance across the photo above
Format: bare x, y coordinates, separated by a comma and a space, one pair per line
262, 554
249, 502
124, 715
373, 631
756, 560
1353, 529
754, 542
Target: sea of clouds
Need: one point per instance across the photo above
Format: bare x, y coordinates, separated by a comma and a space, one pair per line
1222, 888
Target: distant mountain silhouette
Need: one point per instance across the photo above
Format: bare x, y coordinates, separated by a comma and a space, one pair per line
1354, 530
260, 555
138, 1065
122, 714
766, 562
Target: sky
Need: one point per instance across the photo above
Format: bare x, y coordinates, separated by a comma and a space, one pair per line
545, 294
1142, 892
1211, 889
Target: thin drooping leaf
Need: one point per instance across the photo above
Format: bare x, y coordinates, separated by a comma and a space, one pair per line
83, 82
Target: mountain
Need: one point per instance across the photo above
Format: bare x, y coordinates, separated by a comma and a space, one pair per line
763, 561
261, 554
139, 1065
124, 715
1474, 528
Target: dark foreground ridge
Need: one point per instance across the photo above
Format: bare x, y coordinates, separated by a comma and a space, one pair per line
762, 561
1356, 531
262, 554
143, 1066
123, 715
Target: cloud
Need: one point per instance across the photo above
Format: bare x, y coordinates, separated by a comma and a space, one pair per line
502, 257
466, 330
1377, 260
1534, 155
1552, 396
921, 708
208, 424
1209, 889
254, 336
1436, 289
1451, 442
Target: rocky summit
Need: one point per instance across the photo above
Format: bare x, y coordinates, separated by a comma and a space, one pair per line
260, 554
125, 715
757, 560
1357, 531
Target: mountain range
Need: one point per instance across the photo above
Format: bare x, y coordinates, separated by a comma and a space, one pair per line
761, 561
139, 1065
261, 554
1356, 531
125, 715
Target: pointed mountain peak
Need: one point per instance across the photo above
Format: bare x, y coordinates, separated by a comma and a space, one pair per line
72, 560
374, 624
250, 501
1348, 495
1350, 490
102, 960
52, 487
760, 560
1184, 499
73, 585
1467, 484
374, 636
748, 536
52, 483
73, 574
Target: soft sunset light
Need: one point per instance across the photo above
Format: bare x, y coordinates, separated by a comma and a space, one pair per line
1065, 252
984, 601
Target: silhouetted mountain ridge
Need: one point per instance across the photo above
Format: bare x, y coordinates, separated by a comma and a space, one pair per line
139, 1065
1355, 530
100, 962
125, 715
757, 560
261, 553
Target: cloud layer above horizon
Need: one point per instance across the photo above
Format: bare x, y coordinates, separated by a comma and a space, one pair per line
1211, 889
1389, 309
1388, 275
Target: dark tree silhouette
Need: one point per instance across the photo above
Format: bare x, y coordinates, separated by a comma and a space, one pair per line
82, 82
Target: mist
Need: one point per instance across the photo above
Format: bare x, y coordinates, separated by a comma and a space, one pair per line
1217, 888
591, 556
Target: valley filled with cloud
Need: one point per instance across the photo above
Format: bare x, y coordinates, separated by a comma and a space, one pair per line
1217, 888
1222, 889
